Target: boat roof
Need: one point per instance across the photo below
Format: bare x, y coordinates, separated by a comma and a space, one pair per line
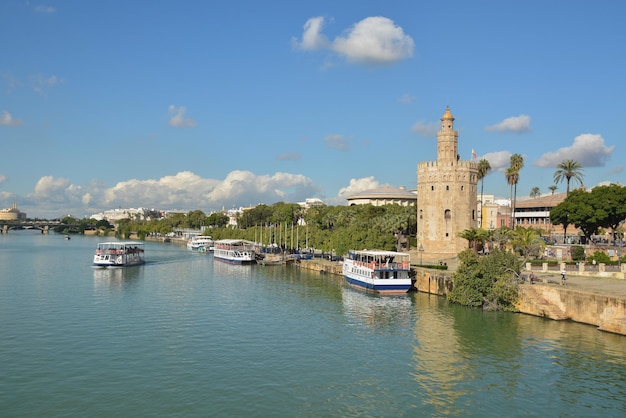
379, 253
121, 243
234, 241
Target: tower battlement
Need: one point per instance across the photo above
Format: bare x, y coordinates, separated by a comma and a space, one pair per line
438, 164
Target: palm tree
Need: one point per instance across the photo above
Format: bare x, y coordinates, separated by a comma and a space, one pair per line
511, 179
517, 163
568, 170
553, 188
483, 168
534, 192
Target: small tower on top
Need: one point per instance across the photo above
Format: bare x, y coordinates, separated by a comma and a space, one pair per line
447, 140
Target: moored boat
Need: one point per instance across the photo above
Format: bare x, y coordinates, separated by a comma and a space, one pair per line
378, 271
201, 241
119, 254
234, 251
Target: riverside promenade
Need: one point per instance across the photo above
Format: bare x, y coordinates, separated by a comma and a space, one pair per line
588, 299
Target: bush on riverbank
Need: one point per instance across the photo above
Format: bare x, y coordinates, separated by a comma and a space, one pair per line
488, 282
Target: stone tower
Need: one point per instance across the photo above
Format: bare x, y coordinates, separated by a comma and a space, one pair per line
446, 197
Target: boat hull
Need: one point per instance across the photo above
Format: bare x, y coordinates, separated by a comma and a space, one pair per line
392, 288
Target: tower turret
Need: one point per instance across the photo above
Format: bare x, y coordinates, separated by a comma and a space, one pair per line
447, 140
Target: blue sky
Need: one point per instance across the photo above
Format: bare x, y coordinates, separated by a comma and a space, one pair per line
204, 104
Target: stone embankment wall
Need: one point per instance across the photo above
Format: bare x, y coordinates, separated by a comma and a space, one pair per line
607, 312
322, 266
551, 301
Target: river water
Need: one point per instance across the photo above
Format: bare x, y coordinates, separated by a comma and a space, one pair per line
186, 336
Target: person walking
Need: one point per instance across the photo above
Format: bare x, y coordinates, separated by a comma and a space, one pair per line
563, 278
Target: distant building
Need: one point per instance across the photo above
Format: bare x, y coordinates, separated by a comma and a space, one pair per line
384, 196
11, 214
129, 213
312, 202
494, 213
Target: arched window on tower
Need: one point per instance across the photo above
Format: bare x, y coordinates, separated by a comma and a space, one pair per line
447, 216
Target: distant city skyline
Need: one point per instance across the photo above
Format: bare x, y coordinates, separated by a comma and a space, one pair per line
205, 106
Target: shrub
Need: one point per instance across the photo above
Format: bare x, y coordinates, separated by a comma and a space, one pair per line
487, 282
577, 252
599, 257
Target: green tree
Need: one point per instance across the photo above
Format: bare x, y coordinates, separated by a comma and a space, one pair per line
517, 163
610, 201
475, 237
527, 242
511, 179
483, 169
568, 170
488, 282
560, 215
553, 188
535, 192
217, 220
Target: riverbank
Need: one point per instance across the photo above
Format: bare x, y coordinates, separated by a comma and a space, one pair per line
598, 301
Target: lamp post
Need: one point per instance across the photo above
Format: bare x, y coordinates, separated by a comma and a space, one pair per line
421, 250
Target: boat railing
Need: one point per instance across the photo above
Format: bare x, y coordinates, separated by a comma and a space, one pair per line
374, 265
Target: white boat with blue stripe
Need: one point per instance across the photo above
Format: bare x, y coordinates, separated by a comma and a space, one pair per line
378, 271
235, 251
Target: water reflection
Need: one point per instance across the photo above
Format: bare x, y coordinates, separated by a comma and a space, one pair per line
123, 277
505, 359
222, 269
375, 310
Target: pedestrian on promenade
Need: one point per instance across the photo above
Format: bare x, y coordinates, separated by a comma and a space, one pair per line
532, 278
563, 278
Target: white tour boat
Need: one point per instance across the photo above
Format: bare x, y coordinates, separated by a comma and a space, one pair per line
201, 243
378, 271
234, 251
119, 254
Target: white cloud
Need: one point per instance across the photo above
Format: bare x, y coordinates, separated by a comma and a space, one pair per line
355, 186
515, 124
44, 9
406, 98
499, 161
372, 41
337, 141
54, 197
50, 190
7, 120
312, 39
426, 129
291, 156
178, 118
41, 84
588, 149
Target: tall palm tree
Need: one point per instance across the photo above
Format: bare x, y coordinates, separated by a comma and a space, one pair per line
568, 170
517, 163
483, 168
553, 188
535, 192
511, 179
